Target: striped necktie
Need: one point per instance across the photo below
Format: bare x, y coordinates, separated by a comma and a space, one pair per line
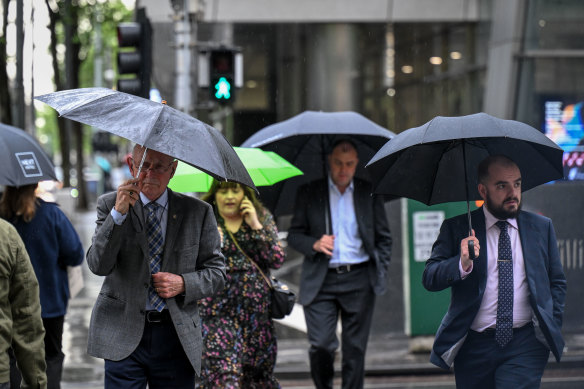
155, 247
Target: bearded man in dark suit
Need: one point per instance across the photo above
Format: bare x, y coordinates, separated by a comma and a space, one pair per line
506, 308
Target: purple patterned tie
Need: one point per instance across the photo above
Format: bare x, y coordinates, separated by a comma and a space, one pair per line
504, 329
155, 246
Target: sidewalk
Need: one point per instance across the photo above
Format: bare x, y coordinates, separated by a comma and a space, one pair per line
387, 354
402, 355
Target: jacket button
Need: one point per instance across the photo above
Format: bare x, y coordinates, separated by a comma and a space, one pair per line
142, 312
146, 285
449, 279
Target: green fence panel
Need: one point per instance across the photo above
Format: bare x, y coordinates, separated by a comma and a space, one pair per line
426, 309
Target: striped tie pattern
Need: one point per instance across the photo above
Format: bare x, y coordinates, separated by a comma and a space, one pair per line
504, 328
155, 246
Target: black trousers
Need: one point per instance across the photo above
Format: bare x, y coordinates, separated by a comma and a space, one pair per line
158, 362
482, 364
350, 295
53, 355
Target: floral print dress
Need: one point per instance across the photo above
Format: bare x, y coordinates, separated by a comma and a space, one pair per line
239, 338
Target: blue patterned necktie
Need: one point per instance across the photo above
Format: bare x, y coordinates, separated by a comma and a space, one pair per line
155, 246
504, 328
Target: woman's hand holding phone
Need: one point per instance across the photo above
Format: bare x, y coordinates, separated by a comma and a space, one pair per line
249, 214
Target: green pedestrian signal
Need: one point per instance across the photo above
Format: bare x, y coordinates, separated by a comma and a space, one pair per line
222, 85
223, 89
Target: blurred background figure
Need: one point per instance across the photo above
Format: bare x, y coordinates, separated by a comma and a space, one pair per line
20, 324
239, 337
52, 244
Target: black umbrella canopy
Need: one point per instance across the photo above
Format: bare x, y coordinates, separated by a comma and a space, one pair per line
153, 125
305, 140
23, 160
437, 162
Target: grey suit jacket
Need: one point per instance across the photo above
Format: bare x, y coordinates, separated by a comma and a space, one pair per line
545, 279
120, 253
308, 225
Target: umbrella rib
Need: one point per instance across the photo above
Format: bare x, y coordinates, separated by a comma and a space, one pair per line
83, 105
154, 126
450, 144
426, 130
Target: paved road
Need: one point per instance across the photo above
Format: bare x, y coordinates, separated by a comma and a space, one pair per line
389, 364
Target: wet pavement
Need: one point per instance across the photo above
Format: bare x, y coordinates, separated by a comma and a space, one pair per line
393, 361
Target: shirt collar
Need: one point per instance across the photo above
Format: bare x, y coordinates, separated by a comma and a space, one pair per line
162, 200
490, 220
334, 187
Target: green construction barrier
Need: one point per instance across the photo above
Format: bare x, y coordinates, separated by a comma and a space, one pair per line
424, 309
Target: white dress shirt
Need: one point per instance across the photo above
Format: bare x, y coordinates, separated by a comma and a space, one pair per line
348, 248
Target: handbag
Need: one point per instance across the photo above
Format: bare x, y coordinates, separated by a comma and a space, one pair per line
282, 297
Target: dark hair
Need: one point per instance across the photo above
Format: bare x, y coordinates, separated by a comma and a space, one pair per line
209, 197
485, 164
19, 202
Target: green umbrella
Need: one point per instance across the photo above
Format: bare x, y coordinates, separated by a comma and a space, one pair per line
264, 167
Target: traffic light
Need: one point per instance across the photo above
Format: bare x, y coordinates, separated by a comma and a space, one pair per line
101, 141
222, 75
136, 37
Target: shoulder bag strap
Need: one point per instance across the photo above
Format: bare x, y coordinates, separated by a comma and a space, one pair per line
251, 260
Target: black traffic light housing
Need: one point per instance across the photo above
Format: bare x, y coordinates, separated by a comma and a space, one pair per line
138, 62
222, 75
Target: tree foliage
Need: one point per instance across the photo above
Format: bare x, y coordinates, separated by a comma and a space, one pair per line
72, 27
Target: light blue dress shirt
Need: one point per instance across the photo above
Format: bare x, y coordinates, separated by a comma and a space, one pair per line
161, 212
348, 249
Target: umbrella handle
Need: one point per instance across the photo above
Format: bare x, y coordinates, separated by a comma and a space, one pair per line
471, 253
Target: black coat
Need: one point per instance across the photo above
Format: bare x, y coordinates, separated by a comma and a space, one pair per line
308, 225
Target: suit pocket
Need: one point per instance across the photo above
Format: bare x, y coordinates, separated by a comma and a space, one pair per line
108, 310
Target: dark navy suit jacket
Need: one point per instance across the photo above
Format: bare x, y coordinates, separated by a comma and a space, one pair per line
545, 279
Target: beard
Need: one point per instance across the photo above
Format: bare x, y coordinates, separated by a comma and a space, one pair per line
499, 211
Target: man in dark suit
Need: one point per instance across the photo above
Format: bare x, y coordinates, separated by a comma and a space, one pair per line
506, 308
159, 252
343, 271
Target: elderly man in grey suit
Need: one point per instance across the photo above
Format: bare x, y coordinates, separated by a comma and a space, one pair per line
159, 252
343, 271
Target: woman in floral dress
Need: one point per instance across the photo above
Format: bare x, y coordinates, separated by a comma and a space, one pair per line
239, 338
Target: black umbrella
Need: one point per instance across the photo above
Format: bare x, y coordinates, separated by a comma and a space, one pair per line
437, 162
22, 159
305, 140
153, 125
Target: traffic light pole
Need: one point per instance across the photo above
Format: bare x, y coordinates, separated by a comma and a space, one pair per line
182, 33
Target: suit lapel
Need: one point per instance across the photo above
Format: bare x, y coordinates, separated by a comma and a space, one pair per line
478, 224
326, 209
173, 223
526, 229
139, 225
138, 216
358, 202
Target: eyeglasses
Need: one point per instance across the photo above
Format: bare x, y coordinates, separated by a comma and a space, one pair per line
158, 169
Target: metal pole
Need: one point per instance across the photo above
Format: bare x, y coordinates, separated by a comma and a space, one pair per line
98, 47
182, 86
19, 86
